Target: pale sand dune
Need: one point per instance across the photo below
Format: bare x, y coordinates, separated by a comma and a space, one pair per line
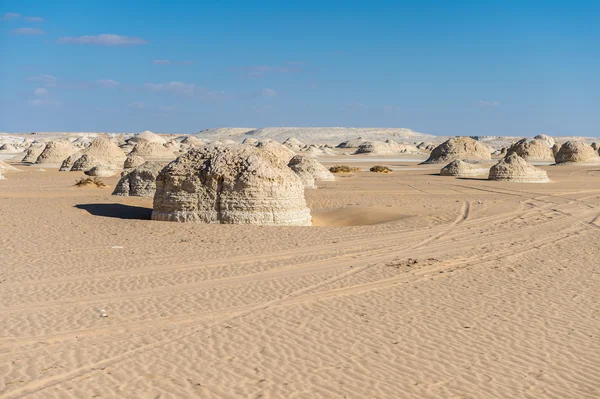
460, 289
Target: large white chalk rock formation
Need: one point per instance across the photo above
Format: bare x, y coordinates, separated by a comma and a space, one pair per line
234, 184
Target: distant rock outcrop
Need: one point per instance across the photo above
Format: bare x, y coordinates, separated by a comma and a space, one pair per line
103, 151
532, 151
283, 153
133, 161
310, 171
463, 148
513, 168
386, 148
576, 151
544, 138
148, 137
139, 181
152, 151
236, 184
461, 168
32, 153
55, 152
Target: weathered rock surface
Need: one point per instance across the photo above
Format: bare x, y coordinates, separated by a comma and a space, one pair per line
532, 151
237, 184
461, 168
463, 148
576, 151
56, 152
103, 151
513, 168
310, 171
139, 181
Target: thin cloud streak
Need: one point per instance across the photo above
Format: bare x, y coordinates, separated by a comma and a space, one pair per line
27, 31
105, 39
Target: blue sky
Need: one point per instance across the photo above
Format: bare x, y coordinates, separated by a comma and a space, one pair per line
441, 67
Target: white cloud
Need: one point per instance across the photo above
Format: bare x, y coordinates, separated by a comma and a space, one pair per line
47, 80
174, 87
161, 62
39, 102
34, 19
107, 83
40, 92
10, 15
104, 39
268, 93
27, 31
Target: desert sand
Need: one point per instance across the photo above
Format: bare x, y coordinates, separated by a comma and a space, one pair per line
408, 285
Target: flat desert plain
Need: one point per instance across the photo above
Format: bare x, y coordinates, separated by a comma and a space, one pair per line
408, 285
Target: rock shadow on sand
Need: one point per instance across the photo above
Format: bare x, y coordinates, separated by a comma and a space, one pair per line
119, 211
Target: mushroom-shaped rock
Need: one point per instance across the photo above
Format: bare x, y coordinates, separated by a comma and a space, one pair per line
310, 170
102, 151
544, 138
532, 151
464, 148
133, 161
513, 168
235, 184
147, 136
576, 151
460, 168
139, 181
100, 171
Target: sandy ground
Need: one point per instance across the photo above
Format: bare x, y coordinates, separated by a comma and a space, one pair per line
410, 285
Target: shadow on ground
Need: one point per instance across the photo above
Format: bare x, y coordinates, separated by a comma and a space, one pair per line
118, 211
